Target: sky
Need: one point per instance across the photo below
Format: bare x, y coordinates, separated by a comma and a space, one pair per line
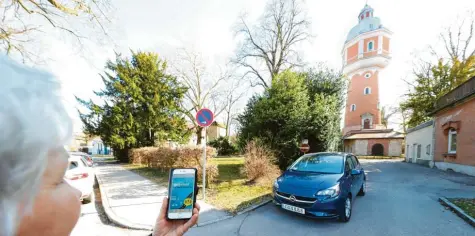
207, 26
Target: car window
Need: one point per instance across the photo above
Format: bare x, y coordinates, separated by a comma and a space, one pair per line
320, 163
83, 160
350, 163
355, 161
72, 165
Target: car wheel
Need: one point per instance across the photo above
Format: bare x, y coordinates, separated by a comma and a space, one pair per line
346, 214
87, 199
362, 191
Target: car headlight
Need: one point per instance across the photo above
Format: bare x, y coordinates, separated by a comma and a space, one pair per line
330, 192
276, 185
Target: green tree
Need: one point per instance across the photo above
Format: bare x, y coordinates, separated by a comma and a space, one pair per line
141, 105
326, 89
297, 106
431, 83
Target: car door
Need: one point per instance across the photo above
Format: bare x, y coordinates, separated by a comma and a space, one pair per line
349, 165
360, 177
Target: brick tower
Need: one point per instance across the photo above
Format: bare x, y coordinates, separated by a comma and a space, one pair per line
366, 52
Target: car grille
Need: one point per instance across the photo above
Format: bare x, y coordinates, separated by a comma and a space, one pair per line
297, 198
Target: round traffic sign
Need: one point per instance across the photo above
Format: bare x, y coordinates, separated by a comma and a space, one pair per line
304, 148
204, 117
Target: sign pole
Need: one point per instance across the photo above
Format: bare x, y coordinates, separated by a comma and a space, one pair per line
204, 118
204, 164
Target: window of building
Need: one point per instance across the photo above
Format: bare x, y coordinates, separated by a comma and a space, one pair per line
428, 149
419, 147
367, 90
371, 26
367, 75
452, 141
353, 107
407, 152
367, 124
370, 46
367, 14
362, 17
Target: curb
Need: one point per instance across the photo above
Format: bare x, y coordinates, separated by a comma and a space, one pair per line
113, 217
251, 208
470, 220
127, 224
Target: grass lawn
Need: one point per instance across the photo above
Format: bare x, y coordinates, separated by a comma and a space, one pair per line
230, 191
467, 205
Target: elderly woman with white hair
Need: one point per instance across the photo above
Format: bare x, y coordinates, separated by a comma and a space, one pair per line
34, 127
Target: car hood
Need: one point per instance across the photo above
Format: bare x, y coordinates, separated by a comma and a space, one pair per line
305, 183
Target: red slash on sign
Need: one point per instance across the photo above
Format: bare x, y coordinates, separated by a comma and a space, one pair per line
204, 117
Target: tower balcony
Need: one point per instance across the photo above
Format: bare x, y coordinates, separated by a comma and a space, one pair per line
380, 58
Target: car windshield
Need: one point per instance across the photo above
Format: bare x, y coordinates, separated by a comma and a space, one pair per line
319, 163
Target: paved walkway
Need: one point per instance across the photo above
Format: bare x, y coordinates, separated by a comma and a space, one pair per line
133, 201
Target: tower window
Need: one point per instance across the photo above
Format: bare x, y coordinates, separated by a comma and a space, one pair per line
367, 75
362, 17
353, 107
371, 46
367, 14
367, 90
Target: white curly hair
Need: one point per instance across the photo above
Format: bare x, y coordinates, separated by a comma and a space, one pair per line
33, 121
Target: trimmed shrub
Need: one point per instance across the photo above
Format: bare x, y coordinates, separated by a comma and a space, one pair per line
167, 158
223, 146
259, 163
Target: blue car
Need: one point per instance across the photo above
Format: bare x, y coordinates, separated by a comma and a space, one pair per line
321, 185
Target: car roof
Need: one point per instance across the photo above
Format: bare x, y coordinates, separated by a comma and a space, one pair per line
79, 153
330, 153
74, 157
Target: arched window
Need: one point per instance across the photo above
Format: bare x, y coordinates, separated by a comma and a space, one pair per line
371, 46
353, 107
367, 90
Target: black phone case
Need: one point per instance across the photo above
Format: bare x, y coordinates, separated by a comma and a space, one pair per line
169, 188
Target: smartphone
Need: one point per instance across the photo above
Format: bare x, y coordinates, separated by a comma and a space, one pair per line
182, 188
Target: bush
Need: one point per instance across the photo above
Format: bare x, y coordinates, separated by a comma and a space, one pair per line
212, 173
167, 158
223, 146
259, 163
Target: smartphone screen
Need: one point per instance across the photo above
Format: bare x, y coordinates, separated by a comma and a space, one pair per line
182, 194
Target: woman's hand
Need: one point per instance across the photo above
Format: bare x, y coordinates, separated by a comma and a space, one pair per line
165, 227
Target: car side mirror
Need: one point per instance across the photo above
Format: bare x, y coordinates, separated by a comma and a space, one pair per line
355, 172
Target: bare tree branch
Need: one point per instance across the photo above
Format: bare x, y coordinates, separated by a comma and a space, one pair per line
54, 12
273, 41
203, 86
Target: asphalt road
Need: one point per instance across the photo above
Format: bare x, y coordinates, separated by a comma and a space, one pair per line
401, 199
94, 222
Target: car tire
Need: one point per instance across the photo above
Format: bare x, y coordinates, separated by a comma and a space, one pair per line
87, 199
362, 191
345, 215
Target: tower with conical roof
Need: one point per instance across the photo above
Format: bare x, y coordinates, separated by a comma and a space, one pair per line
365, 53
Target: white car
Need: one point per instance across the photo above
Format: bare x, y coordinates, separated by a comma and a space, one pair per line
80, 176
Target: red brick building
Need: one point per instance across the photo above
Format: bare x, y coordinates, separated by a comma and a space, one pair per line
454, 129
365, 54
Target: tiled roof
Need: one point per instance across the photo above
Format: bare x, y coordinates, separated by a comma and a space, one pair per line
376, 135
421, 126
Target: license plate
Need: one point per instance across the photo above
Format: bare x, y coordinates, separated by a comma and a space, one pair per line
293, 208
